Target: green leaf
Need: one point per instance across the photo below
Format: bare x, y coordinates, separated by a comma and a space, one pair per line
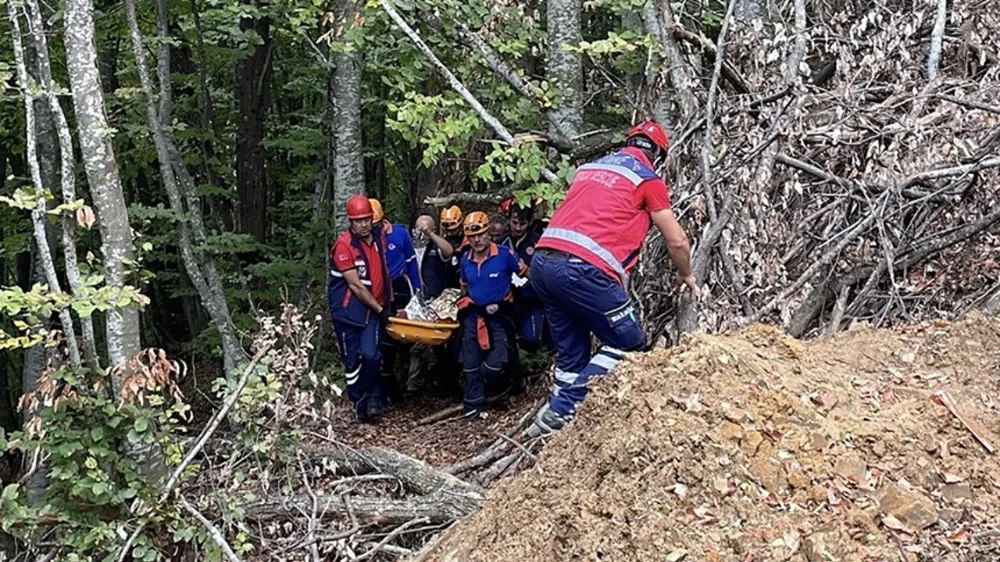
10, 492
141, 425
91, 462
100, 488
3, 440
97, 433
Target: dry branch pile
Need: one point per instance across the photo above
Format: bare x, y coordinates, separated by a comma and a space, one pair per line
845, 185
755, 446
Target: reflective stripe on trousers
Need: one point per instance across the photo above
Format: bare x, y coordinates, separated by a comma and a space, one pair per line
570, 389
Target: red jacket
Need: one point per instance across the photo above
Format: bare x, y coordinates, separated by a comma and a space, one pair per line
605, 217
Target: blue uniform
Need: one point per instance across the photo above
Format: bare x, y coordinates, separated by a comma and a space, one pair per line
581, 269
356, 326
529, 313
400, 256
484, 334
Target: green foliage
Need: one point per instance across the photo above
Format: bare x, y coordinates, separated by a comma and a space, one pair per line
89, 439
441, 125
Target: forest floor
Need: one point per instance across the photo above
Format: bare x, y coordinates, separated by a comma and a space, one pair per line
440, 443
753, 446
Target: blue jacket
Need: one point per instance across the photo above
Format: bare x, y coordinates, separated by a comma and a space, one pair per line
488, 282
525, 248
345, 306
400, 256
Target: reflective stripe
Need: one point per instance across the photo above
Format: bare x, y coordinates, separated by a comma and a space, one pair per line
566, 377
352, 377
628, 174
588, 243
335, 273
604, 362
611, 351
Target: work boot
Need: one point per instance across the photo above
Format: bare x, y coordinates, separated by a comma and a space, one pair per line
375, 406
361, 412
473, 415
550, 422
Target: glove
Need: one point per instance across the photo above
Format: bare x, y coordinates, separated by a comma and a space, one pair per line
492, 308
518, 281
383, 316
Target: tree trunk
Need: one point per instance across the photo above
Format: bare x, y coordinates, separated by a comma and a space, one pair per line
102, 174
252, 76
564, 68
39, 217
67, 176
348, 162
200, 267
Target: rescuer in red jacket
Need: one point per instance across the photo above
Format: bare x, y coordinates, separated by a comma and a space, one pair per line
582, 263
360, 295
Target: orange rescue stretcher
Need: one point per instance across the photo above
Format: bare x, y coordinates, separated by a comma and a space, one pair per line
417, 331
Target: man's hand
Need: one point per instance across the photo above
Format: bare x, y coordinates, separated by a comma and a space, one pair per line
690, 282
492, 308
383, 315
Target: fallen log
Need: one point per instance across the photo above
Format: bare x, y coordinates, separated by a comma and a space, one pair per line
436, 509
437, 496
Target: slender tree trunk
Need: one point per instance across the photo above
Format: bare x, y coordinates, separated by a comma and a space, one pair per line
252, 75
348, 162
39, 217
66, 171
102, 174
200, 266
565, 68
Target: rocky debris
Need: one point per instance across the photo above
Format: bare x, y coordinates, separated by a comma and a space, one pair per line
911, 508
678, 451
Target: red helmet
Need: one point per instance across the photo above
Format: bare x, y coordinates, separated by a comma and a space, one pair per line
505, 206
359, 207
653, 131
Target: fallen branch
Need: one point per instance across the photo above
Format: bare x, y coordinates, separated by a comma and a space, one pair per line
944, 398
456, 84
952, 171
213, 531
388, 538
729, 72
937, 35
972, 104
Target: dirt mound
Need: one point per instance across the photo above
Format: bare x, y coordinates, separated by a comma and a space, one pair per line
756, 446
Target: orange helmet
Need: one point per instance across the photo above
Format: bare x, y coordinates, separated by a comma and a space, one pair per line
377, 213
451, 217
476, 223
359, 207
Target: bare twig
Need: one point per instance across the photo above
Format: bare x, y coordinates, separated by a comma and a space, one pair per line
213, 531
972, 104
389, 537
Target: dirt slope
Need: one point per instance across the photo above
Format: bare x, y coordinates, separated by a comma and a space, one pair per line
755, 446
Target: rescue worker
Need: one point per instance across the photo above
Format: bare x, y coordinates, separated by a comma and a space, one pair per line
582, 262
434, 262
498, 228
528, 311
486, 271
401, 259
360, 296
451, 230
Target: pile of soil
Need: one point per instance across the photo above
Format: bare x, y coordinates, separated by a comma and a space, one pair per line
756, 446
